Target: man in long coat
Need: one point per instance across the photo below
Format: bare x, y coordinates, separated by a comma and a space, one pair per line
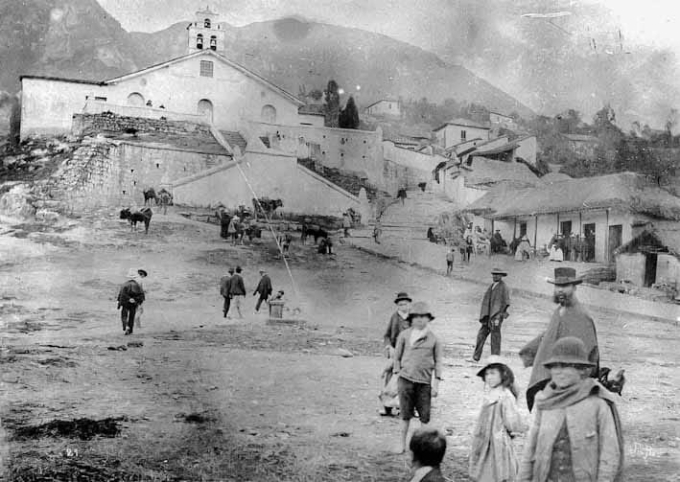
224, 291
264, 288
494, 310
569, 319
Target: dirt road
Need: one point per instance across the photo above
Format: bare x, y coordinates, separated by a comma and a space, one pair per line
204, 398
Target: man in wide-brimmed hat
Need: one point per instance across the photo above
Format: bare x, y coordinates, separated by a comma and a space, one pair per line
576, 434
494, 310
569, 319
399, 322
130, 296
264, 288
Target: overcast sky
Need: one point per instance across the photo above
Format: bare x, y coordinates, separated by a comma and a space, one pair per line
489, 37
419, 22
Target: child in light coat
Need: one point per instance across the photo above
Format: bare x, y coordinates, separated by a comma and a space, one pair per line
493, 458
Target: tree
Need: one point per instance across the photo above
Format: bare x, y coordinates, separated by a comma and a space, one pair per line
332, 104
349, 117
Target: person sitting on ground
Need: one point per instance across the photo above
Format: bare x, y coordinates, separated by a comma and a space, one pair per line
279, 296
523, 249
576, 434
428, 446
556, 254
418, 364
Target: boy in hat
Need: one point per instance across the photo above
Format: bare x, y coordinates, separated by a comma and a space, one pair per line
569, 319
494, 310
398, 322
576, 434
130, 296
428, 447
418, 363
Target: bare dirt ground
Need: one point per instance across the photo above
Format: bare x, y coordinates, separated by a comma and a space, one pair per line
193, 396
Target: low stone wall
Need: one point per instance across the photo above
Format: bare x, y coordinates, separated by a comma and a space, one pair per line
92, 124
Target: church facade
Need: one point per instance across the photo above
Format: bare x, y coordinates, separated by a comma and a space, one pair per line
202, 86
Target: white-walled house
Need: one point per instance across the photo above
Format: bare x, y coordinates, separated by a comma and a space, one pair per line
604, 208
460, 130
382, 107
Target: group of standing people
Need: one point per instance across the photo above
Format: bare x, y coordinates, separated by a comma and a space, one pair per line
576, 431
233, 291
571, 247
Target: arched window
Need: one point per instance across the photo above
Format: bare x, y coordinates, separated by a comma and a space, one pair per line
206, 23
135, 99
199, 41
205, 107
268, 114
213, 43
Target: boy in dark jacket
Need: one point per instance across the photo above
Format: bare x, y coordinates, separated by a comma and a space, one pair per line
237, 290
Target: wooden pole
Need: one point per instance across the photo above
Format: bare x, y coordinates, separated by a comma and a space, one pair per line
535, 230
606, 238
514, 230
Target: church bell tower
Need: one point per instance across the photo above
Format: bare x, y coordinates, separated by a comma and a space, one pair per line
205, 32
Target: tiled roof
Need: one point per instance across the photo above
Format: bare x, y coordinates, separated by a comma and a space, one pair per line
626, 191
265, 141
463, 122
235, 139
486, 171
581, 138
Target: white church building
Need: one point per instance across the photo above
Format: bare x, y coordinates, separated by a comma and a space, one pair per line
201, 86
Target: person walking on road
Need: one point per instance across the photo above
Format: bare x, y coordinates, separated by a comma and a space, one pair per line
264, 288
346, 225
130, 296
450, 257
224, 291
237, 290
494, 310
398, 322
141, 274
569, 319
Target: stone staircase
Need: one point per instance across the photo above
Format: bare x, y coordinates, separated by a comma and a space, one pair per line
420, 211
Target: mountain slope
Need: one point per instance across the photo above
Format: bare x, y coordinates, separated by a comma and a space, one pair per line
79, 39
294, 53
66, 38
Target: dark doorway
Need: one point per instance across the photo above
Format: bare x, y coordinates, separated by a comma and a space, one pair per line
522, 229
565, 228
615, 239
589, 242
650, 269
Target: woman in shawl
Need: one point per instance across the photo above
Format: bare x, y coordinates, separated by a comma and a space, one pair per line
576, 434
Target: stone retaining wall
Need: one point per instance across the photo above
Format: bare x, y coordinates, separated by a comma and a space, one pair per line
92, 124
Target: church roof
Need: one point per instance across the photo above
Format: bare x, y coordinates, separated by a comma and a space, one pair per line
210, 53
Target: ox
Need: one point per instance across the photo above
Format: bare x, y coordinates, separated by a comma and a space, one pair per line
150, 193
312, 230
265, 206
137, 217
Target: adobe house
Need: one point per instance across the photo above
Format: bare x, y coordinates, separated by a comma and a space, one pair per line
601, 209
651, 257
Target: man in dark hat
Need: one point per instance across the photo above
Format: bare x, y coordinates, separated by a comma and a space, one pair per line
130, 296
494, 310
569, 319
264, 288
398, 322
224, 291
